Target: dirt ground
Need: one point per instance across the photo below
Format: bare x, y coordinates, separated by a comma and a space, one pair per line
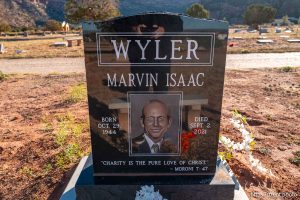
36, 110
40, 48
270, 101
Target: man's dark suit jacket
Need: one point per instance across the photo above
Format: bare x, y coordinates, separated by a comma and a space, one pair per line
140, 145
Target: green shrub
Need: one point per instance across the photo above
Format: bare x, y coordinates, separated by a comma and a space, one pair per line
53, 25
5, 27
296, 159
198, 11
264, 151
286, 69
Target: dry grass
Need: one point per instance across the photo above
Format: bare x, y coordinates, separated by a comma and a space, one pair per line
271, 34
40, 49
245, 42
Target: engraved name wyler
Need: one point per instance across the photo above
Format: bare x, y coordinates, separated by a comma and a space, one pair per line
191, 53
163, 50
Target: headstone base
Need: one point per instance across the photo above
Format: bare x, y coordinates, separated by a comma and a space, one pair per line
221, 186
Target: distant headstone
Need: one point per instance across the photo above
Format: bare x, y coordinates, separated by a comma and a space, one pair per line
19, 51
60, 44
252, 31
294, 40
262, 37
2, 49
263, 30
284, 36
238, 38
265, 41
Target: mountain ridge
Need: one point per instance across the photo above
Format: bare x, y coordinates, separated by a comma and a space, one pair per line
21, 13
30, 13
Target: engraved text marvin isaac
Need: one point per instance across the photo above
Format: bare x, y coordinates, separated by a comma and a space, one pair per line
177, 52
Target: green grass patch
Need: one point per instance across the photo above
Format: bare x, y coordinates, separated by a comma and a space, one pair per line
30, 173
77, 93
244, 51
2, 76
27, 171
60, 136
269, 117
46, 124
264, 151
77, 129
47, 168
296, 159
287, 69
67, 133
225, 155
73, 152
70, 154
68, 127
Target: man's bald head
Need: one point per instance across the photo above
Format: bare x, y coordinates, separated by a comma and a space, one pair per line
156, 119
156, 102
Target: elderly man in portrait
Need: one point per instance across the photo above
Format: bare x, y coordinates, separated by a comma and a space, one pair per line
156, 121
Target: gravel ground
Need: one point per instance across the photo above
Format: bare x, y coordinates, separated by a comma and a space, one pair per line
68, 65
262, 60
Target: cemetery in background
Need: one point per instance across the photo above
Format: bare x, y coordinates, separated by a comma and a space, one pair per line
242, 40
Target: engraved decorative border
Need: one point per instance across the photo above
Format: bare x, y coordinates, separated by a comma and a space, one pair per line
202, 34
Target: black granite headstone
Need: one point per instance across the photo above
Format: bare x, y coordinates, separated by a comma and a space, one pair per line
155, 86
